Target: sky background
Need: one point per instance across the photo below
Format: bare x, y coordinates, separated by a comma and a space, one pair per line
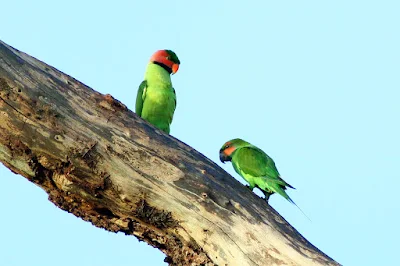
315, 84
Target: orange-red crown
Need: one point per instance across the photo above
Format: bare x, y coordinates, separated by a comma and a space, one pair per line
167, 59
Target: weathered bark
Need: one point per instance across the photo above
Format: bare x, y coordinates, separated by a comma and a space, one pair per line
98, 160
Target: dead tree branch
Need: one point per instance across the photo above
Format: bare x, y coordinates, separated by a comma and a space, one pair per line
97, 160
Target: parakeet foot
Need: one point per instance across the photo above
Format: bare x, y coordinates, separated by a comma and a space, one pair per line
267, 195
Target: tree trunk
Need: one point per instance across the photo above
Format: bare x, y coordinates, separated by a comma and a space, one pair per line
99, 161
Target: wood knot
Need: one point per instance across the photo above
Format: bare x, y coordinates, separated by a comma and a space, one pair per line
112, 104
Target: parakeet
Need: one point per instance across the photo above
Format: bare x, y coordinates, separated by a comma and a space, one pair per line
255, 166
156, 98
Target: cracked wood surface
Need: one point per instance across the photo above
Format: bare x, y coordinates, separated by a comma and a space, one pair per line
97, 160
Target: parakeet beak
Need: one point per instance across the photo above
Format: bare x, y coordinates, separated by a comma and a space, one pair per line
175, 68
223, 157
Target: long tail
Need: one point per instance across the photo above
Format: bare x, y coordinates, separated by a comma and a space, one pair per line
277, 187
290, 200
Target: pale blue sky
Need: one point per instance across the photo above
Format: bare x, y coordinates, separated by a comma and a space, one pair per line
315, 84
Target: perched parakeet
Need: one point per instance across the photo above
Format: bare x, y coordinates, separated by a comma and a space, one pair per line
156, 99
255, 166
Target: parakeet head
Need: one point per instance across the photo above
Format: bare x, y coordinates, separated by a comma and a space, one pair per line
166, 59
227, 150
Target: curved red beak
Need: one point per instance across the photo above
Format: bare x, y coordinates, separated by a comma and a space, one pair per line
175, 68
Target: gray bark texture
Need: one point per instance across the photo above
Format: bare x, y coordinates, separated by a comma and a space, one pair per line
99, 161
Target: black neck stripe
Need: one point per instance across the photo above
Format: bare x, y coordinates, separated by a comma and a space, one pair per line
168, 69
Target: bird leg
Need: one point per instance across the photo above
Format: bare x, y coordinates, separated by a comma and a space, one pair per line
266, 194
249, 187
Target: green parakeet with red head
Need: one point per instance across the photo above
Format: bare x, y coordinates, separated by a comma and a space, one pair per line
255, 166
156, 98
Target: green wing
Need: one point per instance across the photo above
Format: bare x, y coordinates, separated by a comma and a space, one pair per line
141, 95
253, 161
173, 89
256, 163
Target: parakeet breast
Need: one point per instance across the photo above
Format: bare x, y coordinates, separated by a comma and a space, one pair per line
159, 98
159, 106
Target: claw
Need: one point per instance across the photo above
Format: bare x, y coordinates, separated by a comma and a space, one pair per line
267, 196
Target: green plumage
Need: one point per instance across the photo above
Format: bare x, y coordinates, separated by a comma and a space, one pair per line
156, 99
255, 166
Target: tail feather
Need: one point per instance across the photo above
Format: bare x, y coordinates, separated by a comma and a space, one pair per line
291, 201
285, 183
277, 188
288, 185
